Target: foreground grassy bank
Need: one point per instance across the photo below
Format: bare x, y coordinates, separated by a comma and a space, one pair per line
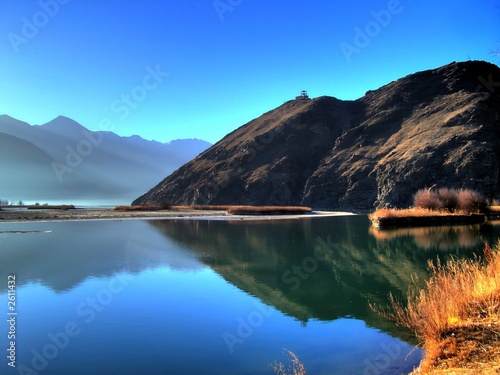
456, 316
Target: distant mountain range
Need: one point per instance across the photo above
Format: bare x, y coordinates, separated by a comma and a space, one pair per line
438, 127
64, 161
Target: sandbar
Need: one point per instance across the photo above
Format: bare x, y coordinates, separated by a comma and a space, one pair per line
84, 214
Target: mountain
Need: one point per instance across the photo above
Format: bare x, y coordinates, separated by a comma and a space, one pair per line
62, 160
437, 127
22, 163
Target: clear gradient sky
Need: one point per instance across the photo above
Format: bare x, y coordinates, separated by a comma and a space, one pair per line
201, 68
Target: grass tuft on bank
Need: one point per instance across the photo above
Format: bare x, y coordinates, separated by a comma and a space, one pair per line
385, 213
64, 207
268, 210
456, 315
145, 207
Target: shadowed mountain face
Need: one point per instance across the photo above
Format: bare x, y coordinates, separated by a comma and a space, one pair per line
64, 160
438, 127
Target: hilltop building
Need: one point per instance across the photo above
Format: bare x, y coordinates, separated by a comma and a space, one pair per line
303, 96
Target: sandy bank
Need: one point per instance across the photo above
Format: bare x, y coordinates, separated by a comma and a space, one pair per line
23, 215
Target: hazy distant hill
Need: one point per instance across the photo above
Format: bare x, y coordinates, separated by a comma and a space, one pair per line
438, 127
62, 160
14, 153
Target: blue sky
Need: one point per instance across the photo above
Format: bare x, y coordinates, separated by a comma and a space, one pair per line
201, 68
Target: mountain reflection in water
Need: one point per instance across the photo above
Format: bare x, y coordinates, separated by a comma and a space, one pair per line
323, 268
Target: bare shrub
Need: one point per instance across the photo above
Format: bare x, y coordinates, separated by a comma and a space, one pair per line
165, 206
448, 199
470, 201
428, 199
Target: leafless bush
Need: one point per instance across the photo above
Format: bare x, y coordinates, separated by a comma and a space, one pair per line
451, 200
448, 199
470, 201
428, 199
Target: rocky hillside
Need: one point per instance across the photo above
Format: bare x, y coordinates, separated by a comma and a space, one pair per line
438, 127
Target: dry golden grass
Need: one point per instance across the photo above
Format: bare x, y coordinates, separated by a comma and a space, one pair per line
456, 315
51, 207
384, 213
294, 368
269, 210
203, 207
422, 217
138, 208
231, 209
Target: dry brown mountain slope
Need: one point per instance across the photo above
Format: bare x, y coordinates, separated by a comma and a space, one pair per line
438, 127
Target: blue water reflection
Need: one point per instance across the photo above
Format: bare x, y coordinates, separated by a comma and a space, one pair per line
185, 297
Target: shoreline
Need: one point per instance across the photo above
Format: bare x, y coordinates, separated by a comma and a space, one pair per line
426, 221
95, 214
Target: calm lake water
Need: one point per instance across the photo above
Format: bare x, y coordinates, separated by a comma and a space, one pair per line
214, 297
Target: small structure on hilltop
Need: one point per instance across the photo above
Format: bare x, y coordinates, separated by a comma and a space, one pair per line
303, 96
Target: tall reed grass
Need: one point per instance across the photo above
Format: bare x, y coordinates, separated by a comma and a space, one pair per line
456, 314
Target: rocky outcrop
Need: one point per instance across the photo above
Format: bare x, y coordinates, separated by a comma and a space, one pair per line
434, 128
